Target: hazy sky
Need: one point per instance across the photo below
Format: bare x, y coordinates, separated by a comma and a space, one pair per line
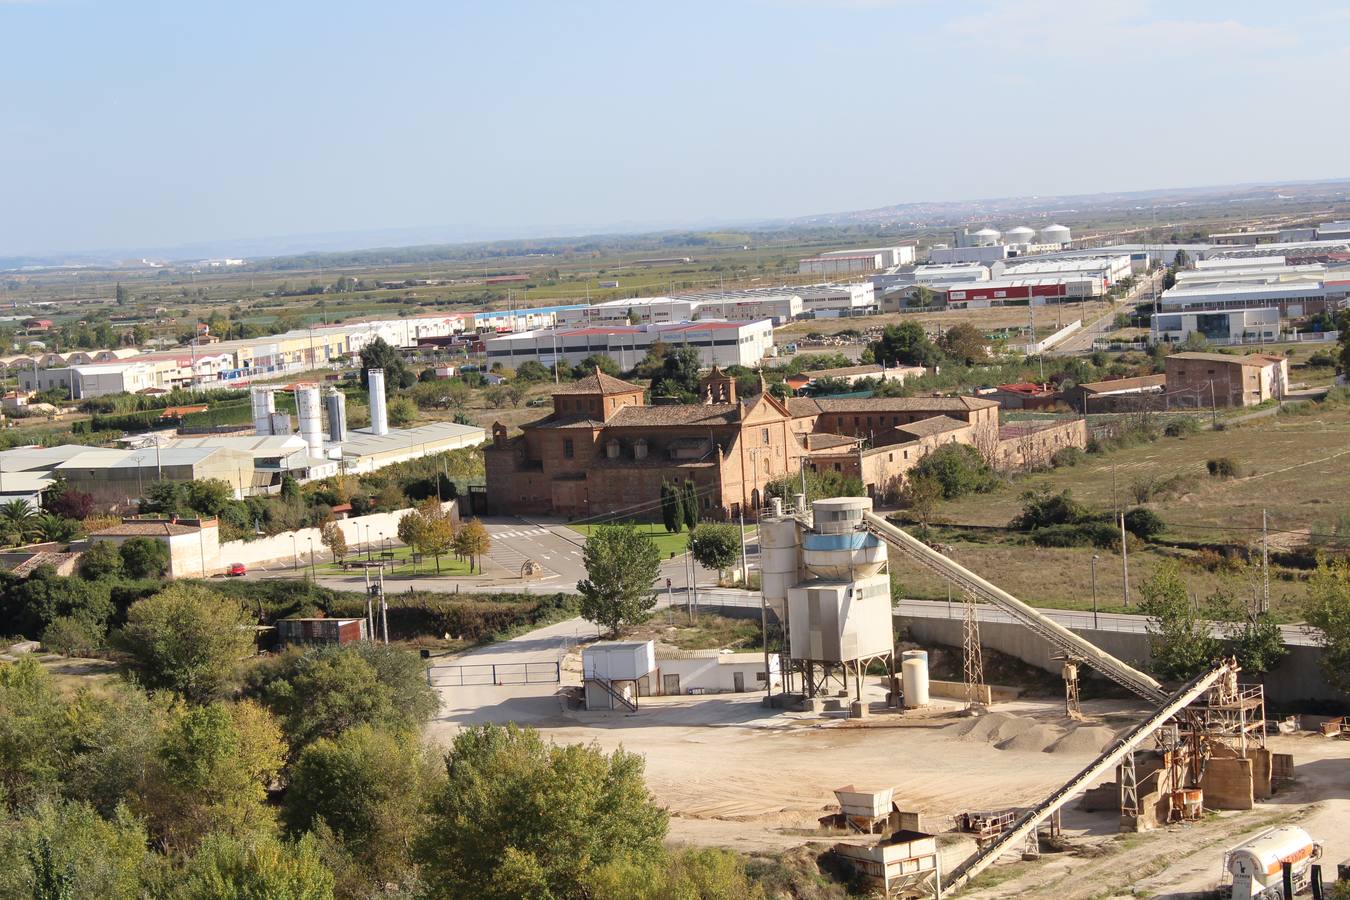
128, 123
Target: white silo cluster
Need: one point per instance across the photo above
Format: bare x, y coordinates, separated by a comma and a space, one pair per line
1019, 235
264, 406
1055, 234
986, 237
307, 412
829, 584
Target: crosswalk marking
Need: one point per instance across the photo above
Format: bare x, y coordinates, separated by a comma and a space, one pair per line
528, 532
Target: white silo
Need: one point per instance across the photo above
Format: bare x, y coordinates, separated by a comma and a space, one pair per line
1055, 234
379, 414
263, 407
1019, 235
779, 540
308, 414
914, 671
279, 423
986, 237
336, 406
836, 548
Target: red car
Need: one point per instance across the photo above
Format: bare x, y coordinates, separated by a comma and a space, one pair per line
237, 569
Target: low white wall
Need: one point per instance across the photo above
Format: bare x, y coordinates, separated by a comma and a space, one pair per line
281, 547
1052, 340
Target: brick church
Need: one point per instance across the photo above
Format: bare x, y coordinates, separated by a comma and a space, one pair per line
605, 450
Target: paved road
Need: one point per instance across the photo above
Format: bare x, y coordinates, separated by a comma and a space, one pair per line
1081, 340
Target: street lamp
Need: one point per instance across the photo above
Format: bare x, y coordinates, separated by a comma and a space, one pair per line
295, 553
1095, 557
312, 573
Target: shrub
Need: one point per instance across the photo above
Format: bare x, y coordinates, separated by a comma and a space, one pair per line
960, 470
1042, 509
1174, 485
1083, 534
1144, 524
1067, 456
1181, 427
1223, 467
72, 636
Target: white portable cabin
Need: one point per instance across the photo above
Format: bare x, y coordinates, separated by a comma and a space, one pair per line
611, 668
714, 672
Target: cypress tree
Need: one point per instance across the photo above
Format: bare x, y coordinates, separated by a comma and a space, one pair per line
671, 513
689, 498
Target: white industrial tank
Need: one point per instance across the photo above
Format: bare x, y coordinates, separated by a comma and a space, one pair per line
308, 415
986, 237
914, 671
379, 415
1054, 234
778, 542
336, 405
837, 547
1257, 865
1019, 235
263, 408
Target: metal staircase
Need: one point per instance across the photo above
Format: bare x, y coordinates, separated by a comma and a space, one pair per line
614, 693
1080, 648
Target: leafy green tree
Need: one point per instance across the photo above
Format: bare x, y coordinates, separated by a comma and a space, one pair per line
103, 559
678, 375
29, 605
1343, 342
66, 849
1182, 643
906, 344
49, 527
689, 504
685, 873
920, 496
470, 540
1253, 637
671, 507
366, 786
378, 354
216, 764
960, 470
322, 693
518, 817
715, 546
167, 498
402, 412
290, 488
1144, 523
1327, 609
621, 565
532, 371
18, 521
602, 361
189, 640
332, 537
966, 344
209, 496
33, 734
256, 867
144, 557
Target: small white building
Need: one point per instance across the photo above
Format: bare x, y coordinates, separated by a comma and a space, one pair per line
714, 671
610, 671
828, 301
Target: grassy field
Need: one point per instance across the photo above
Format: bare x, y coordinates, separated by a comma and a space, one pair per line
669, 544
402, 565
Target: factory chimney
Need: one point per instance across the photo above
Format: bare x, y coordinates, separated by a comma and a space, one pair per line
308, 414
263, 408
336, 406
379, 416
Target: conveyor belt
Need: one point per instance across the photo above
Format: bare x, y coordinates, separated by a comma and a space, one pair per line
1123, 674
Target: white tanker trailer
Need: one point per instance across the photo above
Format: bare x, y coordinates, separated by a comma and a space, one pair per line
1257, 867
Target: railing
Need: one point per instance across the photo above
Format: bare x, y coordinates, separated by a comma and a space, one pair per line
494, 674
614, 693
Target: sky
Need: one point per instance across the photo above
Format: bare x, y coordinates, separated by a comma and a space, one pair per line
130, 124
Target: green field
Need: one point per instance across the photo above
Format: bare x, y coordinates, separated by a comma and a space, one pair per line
669, 544
401, 565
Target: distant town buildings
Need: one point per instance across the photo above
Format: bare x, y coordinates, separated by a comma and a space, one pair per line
718, 343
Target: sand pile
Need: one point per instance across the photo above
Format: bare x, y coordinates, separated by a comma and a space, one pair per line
1033, 739
1083, 739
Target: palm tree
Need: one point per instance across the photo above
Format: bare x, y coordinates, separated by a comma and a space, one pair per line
17, 521
51, 527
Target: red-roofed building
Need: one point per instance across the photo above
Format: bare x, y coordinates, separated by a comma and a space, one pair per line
1026, 395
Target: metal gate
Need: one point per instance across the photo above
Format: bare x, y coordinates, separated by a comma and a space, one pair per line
494, 674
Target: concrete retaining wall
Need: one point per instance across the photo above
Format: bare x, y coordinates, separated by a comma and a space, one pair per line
281, 547
1297, 678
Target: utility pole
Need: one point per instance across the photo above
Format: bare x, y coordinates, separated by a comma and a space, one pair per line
1265, 564
370, 611
1124, 560
384, 607
1095, 625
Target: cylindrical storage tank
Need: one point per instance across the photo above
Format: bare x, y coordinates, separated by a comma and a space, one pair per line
263, 407
336, 405
778, 544
308, 416
1256, 865
839, 515
279, 423
848, 557
1054, 234
379, 415
986, 237
1019, 235
914, 672
915, 654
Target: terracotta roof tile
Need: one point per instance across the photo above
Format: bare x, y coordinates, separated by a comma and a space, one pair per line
702, 414
597, 383
934, 425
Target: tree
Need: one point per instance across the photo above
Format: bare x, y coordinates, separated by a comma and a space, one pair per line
29, 605
144, 557
689, 504
715, 546
189, 640
1253, 637
1181, 641
166, 498
472, 540
378, 354
402, 412
671, 507
367, 787
56, 846
411, 527
960, 470
621, 565
678, 375
1144, 523
332, 537
686, 873
1327, 608
966, 344
532, 371
521, 818
33, 733
290, 488
256, 867
216, 764
209, 496
71, 504
101, 560
48, 527
18, 521
905, 344
602, 361
920, 496
322, 693
1343, 326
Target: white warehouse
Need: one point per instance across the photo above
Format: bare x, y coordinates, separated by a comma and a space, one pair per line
718, 343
